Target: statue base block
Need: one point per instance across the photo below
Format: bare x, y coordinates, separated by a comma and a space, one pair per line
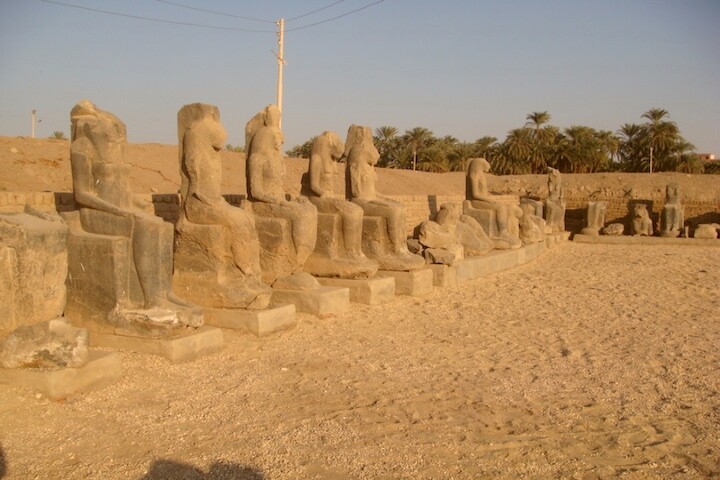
530, 252
416, 283
556, 238
204, 341
368, 291
444, 275
257, 322
323, 301
102, 369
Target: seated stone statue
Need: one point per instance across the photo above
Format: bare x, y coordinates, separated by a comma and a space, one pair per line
338, 252
101, 186
555, 203
673, 213
217, 256
532, 227
265, 172
500, 220
595, 217
641, 222
385, 239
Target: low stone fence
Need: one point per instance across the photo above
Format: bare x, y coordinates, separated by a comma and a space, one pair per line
418, 208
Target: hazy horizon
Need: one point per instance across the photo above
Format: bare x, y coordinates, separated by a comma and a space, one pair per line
462, 68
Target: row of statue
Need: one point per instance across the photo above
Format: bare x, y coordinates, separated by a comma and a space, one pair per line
130, 273
671, 220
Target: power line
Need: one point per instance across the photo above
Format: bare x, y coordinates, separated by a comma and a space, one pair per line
217, 27
314, 11
159, 20
334, 18
217, 13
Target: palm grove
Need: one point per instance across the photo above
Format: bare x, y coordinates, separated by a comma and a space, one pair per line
538, 145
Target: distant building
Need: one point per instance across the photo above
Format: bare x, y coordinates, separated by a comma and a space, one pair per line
706, 157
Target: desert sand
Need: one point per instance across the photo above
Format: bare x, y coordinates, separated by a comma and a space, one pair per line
591, 362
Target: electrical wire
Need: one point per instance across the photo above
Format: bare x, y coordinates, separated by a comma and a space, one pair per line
260, 20
314, 11
334, 18
217, 27
159, 20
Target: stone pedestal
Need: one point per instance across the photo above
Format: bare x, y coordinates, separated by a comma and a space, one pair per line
33, 269
102, 369
445, 275
323, 301
416, 283
368, 291
257, 322
204, 341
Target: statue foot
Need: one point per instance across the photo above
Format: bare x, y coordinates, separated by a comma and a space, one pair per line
402, 261
346, 266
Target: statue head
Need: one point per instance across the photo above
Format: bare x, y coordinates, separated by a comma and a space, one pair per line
203, 119
105, 131
449, 214
672, 193
337, 147
478, 163
359, 137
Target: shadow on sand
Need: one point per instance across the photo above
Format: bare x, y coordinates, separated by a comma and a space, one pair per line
3, 465
172, 470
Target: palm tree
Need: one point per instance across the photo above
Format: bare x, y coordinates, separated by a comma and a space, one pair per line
460, 155
542, 139
416, 139
385, 140
484, 145
434, 159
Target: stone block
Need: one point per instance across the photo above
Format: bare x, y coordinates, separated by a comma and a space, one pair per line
530, 252
444, 275
101, 275
493, 262
643, 240
368, 291
323, 301
277, 250
415, 283
375, 242
202, 342
257, 322
33, 269
102, 369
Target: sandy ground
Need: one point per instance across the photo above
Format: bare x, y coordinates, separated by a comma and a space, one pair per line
592, 361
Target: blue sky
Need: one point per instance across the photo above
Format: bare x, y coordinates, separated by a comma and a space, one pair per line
463, 68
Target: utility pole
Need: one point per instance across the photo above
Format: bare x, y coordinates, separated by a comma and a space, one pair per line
33, 123
281, 62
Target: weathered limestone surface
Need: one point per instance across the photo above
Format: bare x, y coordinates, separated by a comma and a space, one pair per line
217, 251
120, 256
614, 229
322, 301
33, 269
287, 226
645, 240
555, 203
384, 221
672, 218
51, 344
595, 219
338, 251
707, 231
203, 341
101, 369
532, 226
368, 291
258, 322
500, 221
641, 222
415, 283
